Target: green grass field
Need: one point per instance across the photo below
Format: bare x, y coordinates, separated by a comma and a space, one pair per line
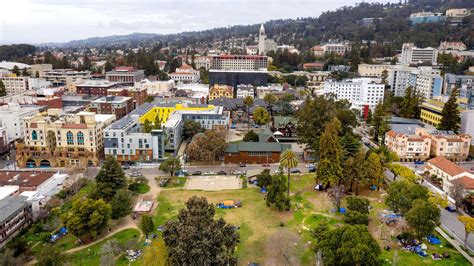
91, 255
272, 237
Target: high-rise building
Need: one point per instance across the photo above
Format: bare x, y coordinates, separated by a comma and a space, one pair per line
359, 91
415, 55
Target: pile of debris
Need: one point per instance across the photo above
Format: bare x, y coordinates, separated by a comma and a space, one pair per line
133, 255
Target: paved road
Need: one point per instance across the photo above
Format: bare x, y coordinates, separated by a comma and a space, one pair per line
251, 169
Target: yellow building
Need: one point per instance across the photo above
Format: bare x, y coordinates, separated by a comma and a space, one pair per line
431, 111
165, 110
218, 91
54, 139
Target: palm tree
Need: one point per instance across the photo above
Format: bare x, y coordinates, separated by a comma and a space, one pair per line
248, 101
288, 160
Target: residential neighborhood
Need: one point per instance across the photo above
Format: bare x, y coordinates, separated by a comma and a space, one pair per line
336, 134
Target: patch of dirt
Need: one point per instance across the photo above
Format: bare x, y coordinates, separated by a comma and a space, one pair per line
281, 248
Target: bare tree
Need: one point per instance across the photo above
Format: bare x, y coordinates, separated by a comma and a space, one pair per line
457, 193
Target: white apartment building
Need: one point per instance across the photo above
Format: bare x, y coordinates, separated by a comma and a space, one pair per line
159, 87
373, 70
239, 62
415, 55
185, 74
12, 118
398, 78
243, 91
36, 84
202, 61
14, 84
427, 80
61, 77
251, 49
359, 91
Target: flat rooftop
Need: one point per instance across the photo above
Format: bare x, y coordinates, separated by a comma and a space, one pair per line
112, 99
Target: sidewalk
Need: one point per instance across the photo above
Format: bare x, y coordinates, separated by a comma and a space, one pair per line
455, 245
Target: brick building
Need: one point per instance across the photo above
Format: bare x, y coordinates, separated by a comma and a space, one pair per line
254, 152
127, 75
138, 95
95, 87
116, 105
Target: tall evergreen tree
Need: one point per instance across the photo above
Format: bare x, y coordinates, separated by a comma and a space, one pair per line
330, 154
379, 122
110, 179
451, 117
410, 106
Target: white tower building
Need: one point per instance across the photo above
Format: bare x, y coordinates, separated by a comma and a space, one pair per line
261, 40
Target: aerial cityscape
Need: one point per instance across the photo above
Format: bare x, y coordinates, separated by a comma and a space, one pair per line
237, 133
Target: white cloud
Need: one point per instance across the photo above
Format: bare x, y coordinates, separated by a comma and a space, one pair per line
35, 21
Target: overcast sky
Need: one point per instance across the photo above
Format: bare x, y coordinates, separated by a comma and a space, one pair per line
39, 21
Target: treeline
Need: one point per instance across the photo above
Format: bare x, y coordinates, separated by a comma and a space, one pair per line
15, 51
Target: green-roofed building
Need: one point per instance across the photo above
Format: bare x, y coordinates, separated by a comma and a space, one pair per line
254, 152
284, 128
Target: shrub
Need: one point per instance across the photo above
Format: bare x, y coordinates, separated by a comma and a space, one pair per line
355, 217
358, 204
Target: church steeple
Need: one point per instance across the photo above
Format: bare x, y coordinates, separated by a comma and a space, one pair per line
262, 30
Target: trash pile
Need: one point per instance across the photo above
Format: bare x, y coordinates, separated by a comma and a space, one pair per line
133, 255
413, 245
389, 218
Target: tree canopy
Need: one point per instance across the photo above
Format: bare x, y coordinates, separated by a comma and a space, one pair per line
402, 194
196, 238
250, 136
450, 115
347, 245
170, 165
87, 217
109, 180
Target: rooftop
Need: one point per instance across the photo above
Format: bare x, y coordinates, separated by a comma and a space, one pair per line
112, 99
24, 179
447, 166
97, 83
10, 205
11, 65
257, 147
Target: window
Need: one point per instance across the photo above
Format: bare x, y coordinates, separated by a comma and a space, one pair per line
80, 138
34, 135
70, 138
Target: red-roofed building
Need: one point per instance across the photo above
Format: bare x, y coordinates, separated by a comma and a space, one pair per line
452, 146
408, 147
447, 171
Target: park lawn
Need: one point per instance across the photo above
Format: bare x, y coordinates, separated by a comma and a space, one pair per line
271, 237
142, 188
410, 258
91, 255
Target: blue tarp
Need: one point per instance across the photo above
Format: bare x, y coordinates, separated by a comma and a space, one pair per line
342, 210
433, 240
263, 190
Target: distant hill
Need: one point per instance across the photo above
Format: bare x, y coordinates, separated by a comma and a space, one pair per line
343, 24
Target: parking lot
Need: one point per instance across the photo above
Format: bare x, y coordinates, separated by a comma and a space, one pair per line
213, 183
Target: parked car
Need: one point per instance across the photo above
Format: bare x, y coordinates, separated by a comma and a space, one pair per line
135, 174
197, 173
236, 172
450, 208
125, 167
312, 169
295, 171
242, 165
233, 126
221, 172
419, 162
266, 165
209, 173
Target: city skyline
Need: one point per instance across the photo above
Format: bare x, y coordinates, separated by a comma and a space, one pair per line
63, 21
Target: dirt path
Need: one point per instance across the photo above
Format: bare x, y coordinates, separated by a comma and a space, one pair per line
128, 222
